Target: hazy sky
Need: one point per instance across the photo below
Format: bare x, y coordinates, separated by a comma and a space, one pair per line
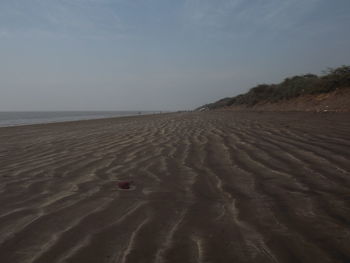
160, 54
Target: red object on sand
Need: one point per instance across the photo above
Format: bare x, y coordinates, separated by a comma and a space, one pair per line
124, 185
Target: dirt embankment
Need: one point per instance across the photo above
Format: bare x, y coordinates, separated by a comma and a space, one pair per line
336, 101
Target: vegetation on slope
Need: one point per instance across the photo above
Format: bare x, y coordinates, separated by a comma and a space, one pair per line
290, 88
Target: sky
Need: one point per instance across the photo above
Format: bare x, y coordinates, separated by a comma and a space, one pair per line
160, 54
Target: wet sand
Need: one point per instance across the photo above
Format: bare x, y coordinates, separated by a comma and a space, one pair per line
209, 187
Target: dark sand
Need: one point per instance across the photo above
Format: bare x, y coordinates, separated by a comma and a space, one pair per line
209, 187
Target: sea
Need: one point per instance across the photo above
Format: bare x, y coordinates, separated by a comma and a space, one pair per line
12, 118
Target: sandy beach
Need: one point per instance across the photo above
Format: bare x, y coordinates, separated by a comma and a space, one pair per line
207, 187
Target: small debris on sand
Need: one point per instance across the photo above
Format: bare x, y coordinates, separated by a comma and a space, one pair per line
124, 185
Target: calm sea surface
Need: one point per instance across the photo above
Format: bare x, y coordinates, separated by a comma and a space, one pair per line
35, 117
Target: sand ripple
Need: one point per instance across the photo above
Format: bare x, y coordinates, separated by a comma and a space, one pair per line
209, 187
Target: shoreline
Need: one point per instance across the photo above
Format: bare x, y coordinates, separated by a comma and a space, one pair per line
79, 120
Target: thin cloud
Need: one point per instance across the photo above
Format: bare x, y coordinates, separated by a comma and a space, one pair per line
60, 17
239, 15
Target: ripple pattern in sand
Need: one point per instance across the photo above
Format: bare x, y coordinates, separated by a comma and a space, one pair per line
209, 187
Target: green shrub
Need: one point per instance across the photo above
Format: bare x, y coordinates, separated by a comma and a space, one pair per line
290, 88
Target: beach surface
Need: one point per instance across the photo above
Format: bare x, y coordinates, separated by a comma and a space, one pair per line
206, 187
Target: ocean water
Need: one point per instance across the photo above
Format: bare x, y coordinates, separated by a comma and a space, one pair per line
36, 117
